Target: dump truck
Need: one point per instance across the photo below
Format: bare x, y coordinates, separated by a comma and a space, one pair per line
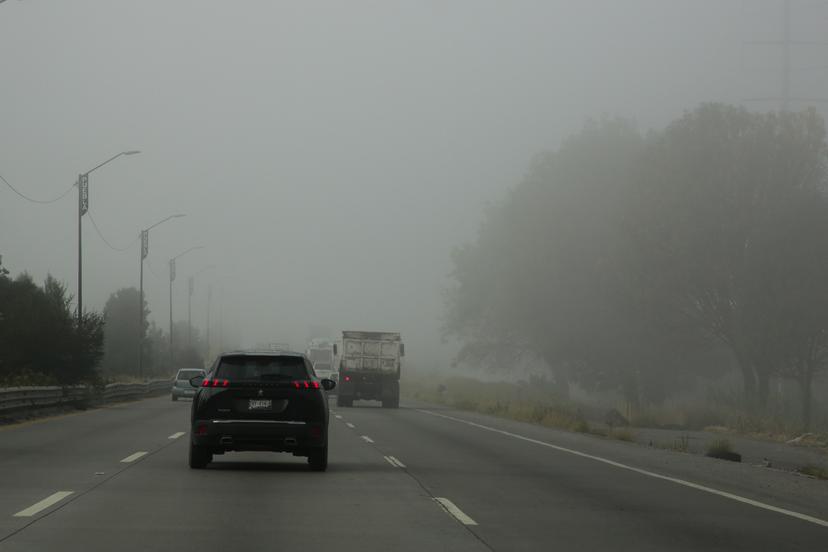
369, 367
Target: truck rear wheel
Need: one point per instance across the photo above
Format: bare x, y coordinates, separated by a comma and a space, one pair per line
346, 402
393, 402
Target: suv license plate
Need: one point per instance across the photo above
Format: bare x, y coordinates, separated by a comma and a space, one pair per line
260, 404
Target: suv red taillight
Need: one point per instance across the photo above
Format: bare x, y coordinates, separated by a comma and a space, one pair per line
215, 383
305, 384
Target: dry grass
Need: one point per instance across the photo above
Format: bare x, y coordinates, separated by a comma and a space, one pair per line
525, 403
815, 471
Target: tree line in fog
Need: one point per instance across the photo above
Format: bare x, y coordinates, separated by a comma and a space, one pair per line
42, 342
639, 262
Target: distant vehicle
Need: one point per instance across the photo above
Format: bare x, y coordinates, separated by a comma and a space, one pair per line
321, 354
323, 373
267, 401
181, 385
273, 346
369, 367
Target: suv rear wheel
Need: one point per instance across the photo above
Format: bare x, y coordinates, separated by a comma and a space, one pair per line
199, 457
318, 458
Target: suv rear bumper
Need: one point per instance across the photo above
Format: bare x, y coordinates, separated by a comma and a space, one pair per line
267, 435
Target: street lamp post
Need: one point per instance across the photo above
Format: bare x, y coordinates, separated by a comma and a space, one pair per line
191, 288
83, 207
172, 279
143, 255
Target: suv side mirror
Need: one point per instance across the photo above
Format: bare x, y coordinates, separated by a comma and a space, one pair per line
328, 384
196, 381
402, 349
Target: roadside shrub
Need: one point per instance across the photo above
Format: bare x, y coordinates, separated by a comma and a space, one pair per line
722, 449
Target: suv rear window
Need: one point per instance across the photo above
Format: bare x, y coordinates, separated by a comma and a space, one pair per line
261, 368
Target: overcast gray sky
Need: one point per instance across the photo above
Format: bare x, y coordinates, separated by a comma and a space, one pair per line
330, 154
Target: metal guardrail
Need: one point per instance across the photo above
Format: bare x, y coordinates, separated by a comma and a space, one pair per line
17, 400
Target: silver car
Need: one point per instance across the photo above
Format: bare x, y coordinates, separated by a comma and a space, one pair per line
181, 386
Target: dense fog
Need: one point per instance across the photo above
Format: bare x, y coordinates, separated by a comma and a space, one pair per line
330, 155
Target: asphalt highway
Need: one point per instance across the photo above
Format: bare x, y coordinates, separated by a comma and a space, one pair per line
418, 478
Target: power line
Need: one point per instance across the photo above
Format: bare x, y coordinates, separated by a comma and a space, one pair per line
33, 200
106, 241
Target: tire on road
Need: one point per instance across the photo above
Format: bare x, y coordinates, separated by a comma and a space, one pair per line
199, 457
318, 458
174, 398
344, 401
393, 402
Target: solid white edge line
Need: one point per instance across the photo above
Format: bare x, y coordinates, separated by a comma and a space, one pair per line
176, 435
367, 439
349, 424
454, 511
134, 457
43, 504
397, 462
677, 481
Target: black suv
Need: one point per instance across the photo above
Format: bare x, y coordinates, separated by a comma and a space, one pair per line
269, 401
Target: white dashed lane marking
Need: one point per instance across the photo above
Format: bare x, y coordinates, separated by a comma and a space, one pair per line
134, 457
394, 462
367, 439
338, 417
454, 511
43, 504
349, 424
176, 435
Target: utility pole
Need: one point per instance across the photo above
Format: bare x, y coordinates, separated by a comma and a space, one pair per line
785, 43
141, 329
141, 313
83, 207
172, 279
190, 287
209, 300
786, 55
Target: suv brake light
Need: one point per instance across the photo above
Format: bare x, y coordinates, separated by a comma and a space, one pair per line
305, 384
215, 383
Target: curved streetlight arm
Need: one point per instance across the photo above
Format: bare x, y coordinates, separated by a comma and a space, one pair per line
113, 158
163, 221
208, 267
187, 251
